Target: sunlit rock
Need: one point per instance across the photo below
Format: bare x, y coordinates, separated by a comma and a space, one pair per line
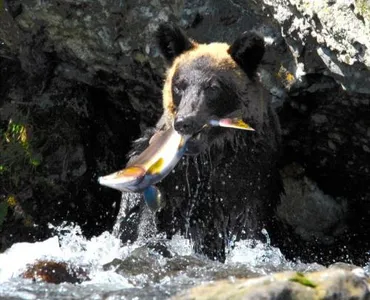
327, 284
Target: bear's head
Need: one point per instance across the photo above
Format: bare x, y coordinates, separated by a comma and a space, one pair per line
207, 81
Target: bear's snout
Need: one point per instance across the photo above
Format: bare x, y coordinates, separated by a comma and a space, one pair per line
186, 125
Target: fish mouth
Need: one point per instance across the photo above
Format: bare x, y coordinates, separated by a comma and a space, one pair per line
125, 180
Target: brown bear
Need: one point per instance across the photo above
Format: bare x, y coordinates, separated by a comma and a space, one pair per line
227, 186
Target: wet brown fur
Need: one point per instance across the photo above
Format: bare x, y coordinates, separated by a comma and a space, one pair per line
217, 52
230, 188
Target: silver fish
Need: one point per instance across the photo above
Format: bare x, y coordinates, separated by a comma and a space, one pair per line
151, 166
163, 153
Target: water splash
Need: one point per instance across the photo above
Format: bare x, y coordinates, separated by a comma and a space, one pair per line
158, 276
140, 271
68, 245
14, 260
186, 162
128, 202
256, 254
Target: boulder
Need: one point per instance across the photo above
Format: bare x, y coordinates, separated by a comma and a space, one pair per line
328, 284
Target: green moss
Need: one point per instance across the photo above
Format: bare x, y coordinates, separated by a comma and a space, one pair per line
17, 153
363, 8
35, 162
301, 279
140, 57
18, 163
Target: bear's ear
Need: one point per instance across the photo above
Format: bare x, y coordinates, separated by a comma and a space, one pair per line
248, 51
172, 41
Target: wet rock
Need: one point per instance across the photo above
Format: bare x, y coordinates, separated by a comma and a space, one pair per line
326, 141
146, 265
74, 75
141, 266
160, 248
328, 37
315, 217
54, 272
324, 126
104, 43
326, 284
54, 141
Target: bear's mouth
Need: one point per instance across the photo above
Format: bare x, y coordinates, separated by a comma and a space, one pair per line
212, 131
198, 142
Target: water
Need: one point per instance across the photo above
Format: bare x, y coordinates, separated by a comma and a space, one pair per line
140, 271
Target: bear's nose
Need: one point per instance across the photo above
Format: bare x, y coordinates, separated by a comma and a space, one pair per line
184, 125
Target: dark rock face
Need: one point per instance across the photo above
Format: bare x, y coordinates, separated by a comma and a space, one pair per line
49, 172
328, 139
82, 80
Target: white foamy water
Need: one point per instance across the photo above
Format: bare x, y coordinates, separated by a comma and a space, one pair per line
256, 253
158, 277
14, 260
68, 246
72, 247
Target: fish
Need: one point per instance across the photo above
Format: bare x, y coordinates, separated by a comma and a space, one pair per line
235, 123
161, 156
163, 153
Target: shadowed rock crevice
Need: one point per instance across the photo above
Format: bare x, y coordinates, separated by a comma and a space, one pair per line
57, 136
325, 140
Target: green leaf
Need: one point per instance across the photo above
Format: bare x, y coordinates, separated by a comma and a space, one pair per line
301, 279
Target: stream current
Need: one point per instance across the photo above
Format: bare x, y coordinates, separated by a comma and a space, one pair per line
137, 271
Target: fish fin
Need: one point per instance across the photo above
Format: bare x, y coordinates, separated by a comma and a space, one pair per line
124, 180
156, 136
234, 123
157, 167
153, 197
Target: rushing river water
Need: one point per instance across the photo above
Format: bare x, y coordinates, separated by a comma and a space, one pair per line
152, 276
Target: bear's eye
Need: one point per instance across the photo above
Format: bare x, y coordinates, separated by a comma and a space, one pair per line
176, 90
213, 90
176, 95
